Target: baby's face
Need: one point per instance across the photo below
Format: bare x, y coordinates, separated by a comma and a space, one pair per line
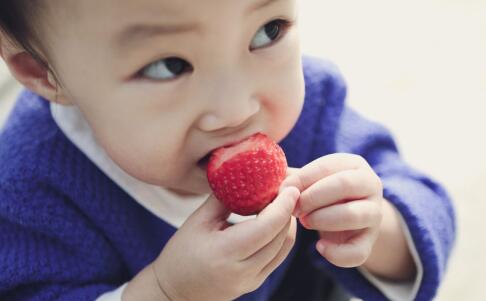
163, 82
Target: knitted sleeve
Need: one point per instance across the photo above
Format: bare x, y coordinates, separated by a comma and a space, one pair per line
425, 206
423, 203
48, 250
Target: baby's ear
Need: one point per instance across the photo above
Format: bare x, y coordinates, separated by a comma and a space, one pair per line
29, 72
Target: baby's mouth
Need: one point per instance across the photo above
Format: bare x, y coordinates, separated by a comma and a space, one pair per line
203, 162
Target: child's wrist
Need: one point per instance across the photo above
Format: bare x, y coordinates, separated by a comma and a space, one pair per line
163, 291
145, 286
398, 265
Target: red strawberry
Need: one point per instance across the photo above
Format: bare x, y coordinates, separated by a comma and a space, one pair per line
246, 176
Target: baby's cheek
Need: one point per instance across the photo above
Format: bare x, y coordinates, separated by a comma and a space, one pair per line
288, 114
139, 159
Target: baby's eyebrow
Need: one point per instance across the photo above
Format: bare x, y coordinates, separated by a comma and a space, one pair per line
262, 4
134, 33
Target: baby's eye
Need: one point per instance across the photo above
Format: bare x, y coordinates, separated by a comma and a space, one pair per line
269, 33
166, 69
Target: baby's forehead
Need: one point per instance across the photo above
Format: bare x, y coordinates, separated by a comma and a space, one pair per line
123, 26
110, 16
147, 9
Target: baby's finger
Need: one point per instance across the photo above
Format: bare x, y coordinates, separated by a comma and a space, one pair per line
290, 171
342, 217
211, 213
284, 251
351, 184
350, 254
320, 168
249, 236
263, 256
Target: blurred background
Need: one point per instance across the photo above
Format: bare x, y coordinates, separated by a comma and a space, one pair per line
419, 67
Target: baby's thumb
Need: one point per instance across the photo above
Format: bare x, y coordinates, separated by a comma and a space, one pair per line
210, 212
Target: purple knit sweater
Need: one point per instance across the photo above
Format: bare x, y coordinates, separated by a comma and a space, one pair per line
68, 232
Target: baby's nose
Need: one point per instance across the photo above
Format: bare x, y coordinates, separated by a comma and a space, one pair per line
232, 114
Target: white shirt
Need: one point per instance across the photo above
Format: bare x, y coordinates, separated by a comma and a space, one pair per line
175, 209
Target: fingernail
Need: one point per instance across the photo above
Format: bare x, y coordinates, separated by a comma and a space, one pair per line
303, 222
282, 187
296, 212
320, 247
288, 181
292, 192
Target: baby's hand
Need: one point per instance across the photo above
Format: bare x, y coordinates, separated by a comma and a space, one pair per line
341, 197
209, 259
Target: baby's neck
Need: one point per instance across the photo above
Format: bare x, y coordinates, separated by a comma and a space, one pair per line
183, 193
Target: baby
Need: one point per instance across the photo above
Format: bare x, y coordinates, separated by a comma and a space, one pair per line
103, 188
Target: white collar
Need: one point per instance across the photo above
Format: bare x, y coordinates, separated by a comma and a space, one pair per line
170, 207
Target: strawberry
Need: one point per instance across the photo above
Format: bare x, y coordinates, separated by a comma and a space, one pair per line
246, 176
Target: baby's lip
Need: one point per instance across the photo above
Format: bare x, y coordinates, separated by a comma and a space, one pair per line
203, 162
236, 141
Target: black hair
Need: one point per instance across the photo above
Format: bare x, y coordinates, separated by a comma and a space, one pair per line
19, 24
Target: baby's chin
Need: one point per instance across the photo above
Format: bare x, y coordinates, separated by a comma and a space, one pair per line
192, 182
188, 192
195, 185
184, 193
